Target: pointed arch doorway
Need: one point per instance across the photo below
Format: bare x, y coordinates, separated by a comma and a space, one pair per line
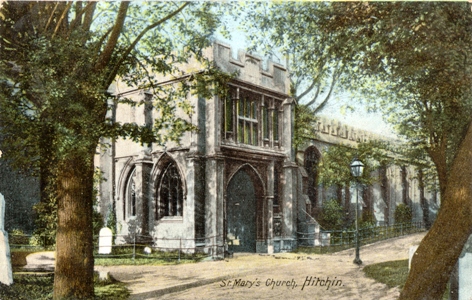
244, 210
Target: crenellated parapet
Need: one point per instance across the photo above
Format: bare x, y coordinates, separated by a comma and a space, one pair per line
251, 68
333, 131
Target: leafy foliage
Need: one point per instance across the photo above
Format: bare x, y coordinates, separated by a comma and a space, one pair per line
367, 219
334, 167
403, 213
57, 64
317, 58
331, 216
384, 54
421, 81
45, 81
305, 124
46, 223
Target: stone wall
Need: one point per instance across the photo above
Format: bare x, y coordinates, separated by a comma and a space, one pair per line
391, 187
21, 193
206, 162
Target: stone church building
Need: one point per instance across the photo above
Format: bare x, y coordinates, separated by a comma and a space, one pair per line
238, 177
393, 184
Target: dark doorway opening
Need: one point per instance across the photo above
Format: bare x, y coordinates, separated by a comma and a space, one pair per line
241, 210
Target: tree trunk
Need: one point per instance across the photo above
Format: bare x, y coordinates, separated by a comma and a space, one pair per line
439, 160
439, 251
73, 277
45, 210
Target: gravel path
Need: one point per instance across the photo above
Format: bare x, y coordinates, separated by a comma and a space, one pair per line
279, 276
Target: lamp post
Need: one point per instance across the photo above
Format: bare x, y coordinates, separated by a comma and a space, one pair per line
357, 167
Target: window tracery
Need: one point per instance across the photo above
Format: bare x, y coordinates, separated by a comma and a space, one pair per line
169, 193
251, 118
129, 206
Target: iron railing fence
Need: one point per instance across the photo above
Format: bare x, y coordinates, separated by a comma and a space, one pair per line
134, 246
139, 246
336, 240
29, 242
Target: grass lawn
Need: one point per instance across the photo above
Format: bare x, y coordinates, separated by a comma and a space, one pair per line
392, 273
139, 261
40, 287
33, 287
125, 257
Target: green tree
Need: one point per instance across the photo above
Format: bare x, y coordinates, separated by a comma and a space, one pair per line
57, 61
332, 215
403, 214
334, 167
415, 56
413, 59
285, 30
290, 31
304, 125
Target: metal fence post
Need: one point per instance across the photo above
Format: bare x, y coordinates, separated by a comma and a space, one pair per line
134, 246
180, 247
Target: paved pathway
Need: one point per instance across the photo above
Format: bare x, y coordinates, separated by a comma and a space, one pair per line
40, 262
255, 276
279, 276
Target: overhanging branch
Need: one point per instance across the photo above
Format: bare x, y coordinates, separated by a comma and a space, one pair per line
63, 16
138, 38
104, 59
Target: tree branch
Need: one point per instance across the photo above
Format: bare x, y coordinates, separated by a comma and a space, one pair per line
101, 41
138, 38
64, 14
88, 10
315, 82
79, 10
51, 17
315, 97
104, 59
309, 89
336, 75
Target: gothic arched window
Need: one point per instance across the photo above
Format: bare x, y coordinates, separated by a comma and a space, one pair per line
129, 207
169, 193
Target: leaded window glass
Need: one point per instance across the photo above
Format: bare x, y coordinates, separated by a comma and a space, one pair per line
129, 206
170, 193
251, 118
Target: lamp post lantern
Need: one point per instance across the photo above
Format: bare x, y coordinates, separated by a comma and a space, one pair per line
357, 167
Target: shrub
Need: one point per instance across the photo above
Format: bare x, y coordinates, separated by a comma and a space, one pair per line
331, 215
368, 219
46, 221
403, 214
18, 237
97, 222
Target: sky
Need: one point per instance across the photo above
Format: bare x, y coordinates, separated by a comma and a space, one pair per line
358, 118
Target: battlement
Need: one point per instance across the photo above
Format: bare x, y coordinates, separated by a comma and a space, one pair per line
250, 68
334, 131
